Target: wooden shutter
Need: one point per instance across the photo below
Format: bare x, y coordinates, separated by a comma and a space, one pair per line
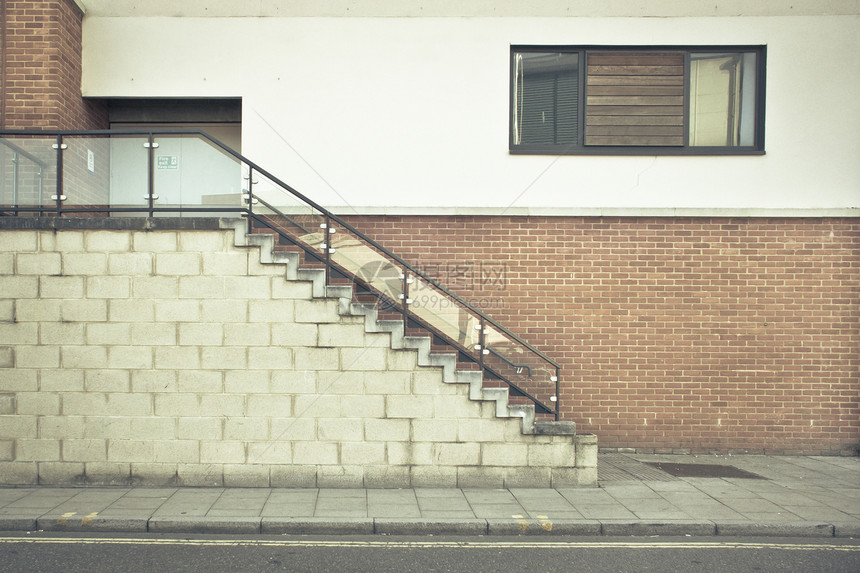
634, 99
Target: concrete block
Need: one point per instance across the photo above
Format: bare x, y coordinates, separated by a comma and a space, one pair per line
243, 475
293, 429
126, 404
246, 429
270, 453
202, 241
7, 310
136, 357
170, 451
292, 476
223, 311
37, 450
37, 357
178, 264
222, 452
19, 523
177, 405
316, 406
61, 287
84, 357
340, 476
316, 453
129, 310
19, 287
222, 405
272, 358
264, 311
317, 525
316, 310
85, 310
89, 450
7, 357
225, 264
153, 427
108, 287
552, 455
294, 334
149, 242
433, 476
247, 334
269, 405
153, 334
19, 333
403, 360
19, 473
152, 474
246, 381
38, 310
61, 333
294, 382
111, 380
481, 477
291, 289
38, 403
362, 453
383, 430
409, 406
528, 477
574, 477
586, 450
177, 357
223, 358
86, 264
199, 382
385, 476
363, 406
247, 288
482, 430
61, 473
385, 383
365, 359
107, 333
130, 264
434, 430
7, 264
107, 473
457, 454
39, 263
200, 475
201, 287
199, 428
338, 382
150, 381
456, 406
156, 287
7, 404
133, 451
316, 358
119, 241
340, 429
22, 380
504, 454
182, 311
19, 240
200, 334
60, 427
340, 335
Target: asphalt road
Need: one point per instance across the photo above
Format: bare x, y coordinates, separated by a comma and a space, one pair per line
71, 553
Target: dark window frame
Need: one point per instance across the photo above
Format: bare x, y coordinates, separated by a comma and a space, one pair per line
758, 147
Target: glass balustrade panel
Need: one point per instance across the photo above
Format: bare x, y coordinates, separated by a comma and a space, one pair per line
28, 173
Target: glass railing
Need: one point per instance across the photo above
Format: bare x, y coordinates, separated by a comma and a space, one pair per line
188, 173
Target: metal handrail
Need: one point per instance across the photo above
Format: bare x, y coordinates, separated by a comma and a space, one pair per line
329, 216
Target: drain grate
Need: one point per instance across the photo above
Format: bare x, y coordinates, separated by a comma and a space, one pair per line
703, 470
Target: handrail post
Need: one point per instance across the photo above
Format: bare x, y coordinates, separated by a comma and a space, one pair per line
557, 394
150, 183
481, 343
250, 200
59, 197
327, 244
405, 296
15, 182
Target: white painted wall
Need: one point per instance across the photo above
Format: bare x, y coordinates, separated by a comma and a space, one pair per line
413, 112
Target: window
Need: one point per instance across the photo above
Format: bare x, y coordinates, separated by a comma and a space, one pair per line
668, 100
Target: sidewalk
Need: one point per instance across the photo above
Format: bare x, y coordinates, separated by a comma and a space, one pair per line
794, 496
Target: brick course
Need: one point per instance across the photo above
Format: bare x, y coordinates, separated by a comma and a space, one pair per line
675, 334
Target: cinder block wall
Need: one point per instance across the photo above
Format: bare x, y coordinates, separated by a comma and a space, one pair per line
175, 357
675, 334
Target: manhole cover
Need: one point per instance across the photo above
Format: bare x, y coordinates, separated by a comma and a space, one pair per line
703, 470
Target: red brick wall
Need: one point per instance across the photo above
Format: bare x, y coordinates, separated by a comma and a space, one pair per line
40, 80
702, 335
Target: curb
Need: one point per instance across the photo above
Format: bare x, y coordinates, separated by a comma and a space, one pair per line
427, 526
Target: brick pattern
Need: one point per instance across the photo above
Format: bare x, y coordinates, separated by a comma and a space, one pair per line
675, 335
174, 357
41, 75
